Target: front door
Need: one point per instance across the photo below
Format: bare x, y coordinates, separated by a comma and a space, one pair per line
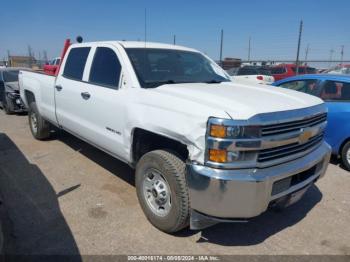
95, 104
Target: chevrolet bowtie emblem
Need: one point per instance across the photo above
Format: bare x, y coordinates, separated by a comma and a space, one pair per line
304, 136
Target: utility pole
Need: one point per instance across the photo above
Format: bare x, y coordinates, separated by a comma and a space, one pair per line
40, 61
342, 54
249, 49
221, 43
298, 50
30, 54
45, 56
174, 40
8, 58
145, 26
331, 56
307, 53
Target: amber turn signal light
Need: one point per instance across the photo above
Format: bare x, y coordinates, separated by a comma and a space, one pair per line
218, 131
218, 155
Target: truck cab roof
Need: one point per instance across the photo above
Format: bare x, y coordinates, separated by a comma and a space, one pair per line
137, 44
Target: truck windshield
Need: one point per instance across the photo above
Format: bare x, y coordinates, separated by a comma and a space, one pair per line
155, 67
11, 76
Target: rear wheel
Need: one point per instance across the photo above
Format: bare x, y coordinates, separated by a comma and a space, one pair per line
162, 190
39, 127
345, 156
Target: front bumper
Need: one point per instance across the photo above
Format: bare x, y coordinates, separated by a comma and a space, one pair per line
15, 102
244, 193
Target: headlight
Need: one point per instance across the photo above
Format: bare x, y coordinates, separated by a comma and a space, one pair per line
224, 136
222, 131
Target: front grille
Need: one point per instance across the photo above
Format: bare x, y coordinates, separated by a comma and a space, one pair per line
287, 150
282, 128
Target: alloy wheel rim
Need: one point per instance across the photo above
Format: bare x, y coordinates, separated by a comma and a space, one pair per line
34, 122
157, 192
348, 155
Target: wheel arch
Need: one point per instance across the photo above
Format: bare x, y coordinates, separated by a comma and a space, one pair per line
343, 144
144, 141
29, 97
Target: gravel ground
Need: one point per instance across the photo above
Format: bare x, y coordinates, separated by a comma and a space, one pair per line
63, 196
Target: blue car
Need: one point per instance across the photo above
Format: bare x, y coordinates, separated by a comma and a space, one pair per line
335, 91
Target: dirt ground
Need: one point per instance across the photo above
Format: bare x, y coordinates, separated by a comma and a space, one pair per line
63, 196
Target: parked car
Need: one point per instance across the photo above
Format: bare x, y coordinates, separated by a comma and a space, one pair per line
52, 66
335, 91
10, 100
205, 149
251, 74
339, 69
282, 71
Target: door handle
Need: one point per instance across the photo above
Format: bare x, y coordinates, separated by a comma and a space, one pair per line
58, 87
85, 95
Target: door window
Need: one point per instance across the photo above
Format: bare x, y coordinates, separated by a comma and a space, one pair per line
308, 86
105, 68
336, 91
278, 70
75, 63
247, 71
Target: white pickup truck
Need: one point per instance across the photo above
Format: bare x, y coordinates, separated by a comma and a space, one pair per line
205, 149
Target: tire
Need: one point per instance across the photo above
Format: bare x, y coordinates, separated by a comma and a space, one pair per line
5, 105
163, 165
39, 127
345, 156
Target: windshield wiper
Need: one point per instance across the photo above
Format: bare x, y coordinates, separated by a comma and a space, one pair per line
213, 81
159, 83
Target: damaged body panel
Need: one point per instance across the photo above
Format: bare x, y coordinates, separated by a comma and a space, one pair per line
205, 150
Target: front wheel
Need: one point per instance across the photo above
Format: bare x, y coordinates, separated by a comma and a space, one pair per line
39, 127
345, 156
162, 190
6, 106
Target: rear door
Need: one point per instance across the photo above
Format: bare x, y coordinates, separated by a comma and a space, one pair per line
68, 92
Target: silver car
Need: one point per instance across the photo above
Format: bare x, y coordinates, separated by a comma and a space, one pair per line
10, 100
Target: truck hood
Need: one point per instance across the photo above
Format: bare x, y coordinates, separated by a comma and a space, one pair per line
238, 100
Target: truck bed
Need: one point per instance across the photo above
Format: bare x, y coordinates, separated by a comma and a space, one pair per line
42, 85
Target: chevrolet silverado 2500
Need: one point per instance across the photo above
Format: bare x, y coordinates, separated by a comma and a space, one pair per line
205, 149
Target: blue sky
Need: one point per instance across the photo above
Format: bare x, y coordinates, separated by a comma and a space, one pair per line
272, 25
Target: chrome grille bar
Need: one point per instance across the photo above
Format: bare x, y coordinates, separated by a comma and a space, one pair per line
282, 151
281, 128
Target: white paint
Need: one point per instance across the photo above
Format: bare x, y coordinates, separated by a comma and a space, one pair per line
178, 111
